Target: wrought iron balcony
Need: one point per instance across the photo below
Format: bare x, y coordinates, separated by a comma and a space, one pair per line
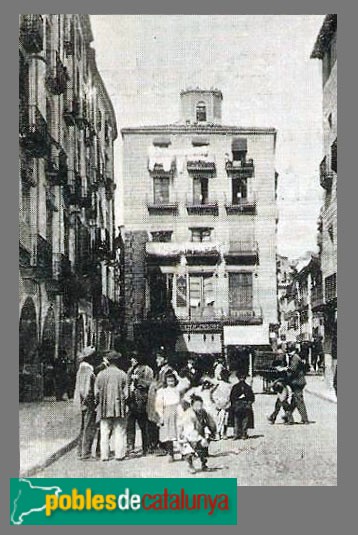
240, 168
200, 166
243, 205
32, 33
326, 175
245, 315
71, 111
57, 169
33, 132
330, 288
57, 77
317, 296
162, 207
203, 207
44, 258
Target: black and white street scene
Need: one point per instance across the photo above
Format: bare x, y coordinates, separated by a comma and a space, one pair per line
178, 247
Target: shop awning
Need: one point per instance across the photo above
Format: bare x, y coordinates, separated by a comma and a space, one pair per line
200, 141
239, 144
161, 141
246, 335
199, 343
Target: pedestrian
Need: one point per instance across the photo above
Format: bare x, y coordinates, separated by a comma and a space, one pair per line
196, 427
279, 386
297, 382
191, 371
242, 398
111, 389
163, 368
219, 367
140, 376
84, 398
168, 407
220, 396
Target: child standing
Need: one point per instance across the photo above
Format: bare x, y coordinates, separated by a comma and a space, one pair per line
167, 405
242, 398
220, 396
195, 422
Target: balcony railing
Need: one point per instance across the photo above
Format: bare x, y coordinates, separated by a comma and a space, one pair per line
317, 296
326, 175
240, 168
44, 258
202, 207
33, 132
58, 77
210, 315
199, 166
57, 169
32, 33
330, 288
71, 111
243, 205
162, 207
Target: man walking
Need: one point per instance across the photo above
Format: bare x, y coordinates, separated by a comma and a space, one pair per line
297, 381
111, 390
84, 398
140, 377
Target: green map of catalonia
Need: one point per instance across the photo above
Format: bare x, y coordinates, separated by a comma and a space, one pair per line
30, 499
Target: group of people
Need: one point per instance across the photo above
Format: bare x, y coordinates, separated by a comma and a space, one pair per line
289, 386
177, 411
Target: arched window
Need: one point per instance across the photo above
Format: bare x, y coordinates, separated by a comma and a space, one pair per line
201, 112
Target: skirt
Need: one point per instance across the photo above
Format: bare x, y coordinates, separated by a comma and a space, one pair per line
168, 431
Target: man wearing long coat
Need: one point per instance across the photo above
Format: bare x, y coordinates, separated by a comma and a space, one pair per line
111, 390
297, 381
85, 400
140, 376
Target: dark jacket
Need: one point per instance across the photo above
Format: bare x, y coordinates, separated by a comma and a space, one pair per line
240, 404
296, 373
138, 387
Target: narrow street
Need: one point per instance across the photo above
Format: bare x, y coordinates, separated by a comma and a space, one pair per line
276, 455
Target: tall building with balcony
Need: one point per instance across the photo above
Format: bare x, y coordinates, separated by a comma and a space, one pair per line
325, 49
200, 222
68, 263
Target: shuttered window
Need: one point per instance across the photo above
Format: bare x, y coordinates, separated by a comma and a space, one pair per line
161, 190
240, 291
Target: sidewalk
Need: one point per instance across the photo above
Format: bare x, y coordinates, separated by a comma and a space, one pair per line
47, 430
317, 386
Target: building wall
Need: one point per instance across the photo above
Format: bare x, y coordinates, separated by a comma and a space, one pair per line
139, 222
62, 207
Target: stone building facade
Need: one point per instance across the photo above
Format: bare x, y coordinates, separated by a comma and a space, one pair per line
200, 221
67, 244
301, 319
325, 49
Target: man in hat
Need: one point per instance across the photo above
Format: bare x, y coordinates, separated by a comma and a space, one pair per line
111, 391
297, 381
140, 377
84, 398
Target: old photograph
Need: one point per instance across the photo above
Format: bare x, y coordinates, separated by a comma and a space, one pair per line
178, 247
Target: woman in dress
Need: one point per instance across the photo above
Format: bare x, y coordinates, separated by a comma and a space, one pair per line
168, 406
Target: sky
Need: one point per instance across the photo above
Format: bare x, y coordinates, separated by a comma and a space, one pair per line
262, 65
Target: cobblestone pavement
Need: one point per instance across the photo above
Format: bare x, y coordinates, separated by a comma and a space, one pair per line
276, 455
39, 425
